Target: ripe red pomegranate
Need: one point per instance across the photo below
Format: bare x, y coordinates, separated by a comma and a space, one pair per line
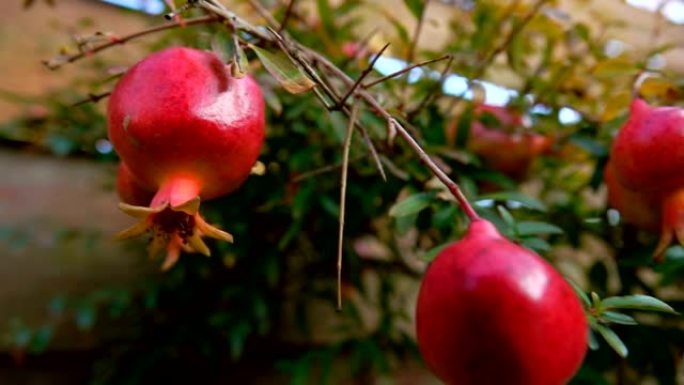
501, 146
491, 312
188, 130
648, 157
638, 208
129, 189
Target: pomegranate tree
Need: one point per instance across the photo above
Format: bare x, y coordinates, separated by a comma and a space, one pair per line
187, 130
648, 157
496, 136
491, 312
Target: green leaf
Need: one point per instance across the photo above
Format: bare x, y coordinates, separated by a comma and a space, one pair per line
515, 196
580, 293
594, 147
86, 317
536, 244
412, 205
618, 318
223, 46
288, 75
525, 228
613, 340
637, 302
506, 215
432, 253
615, 67
326, 15
41, 339
592, 342
417, 7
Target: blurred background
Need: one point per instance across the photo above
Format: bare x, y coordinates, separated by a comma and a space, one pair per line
77, 307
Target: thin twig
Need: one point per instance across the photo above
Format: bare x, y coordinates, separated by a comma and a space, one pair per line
295, 52
363, 75
265, 14
286, 17
405, 70
489, 59
517, 28
401, 130
416, 34
60, 60
343, 198
92, 98
292, 50
433, 90
322, 170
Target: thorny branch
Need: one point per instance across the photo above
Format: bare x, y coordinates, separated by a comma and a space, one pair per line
307, 60
303, 57
58, 61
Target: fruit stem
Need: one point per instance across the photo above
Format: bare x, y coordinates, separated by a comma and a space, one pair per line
439, 173
176, 191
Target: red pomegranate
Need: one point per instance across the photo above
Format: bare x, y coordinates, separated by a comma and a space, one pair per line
648, 152
491, 312
187, 130
648, 157
129, 190
638, 208
500, 145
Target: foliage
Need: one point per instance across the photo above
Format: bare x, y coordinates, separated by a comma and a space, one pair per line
273, 287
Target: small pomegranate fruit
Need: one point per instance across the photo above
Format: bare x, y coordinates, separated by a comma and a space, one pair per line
502, 148
187, 130
491, 312
638, 208
648, 157
129, 190
648, 152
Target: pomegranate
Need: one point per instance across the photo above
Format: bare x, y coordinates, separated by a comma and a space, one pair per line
502, 148
648, 157
491, 312
187, 130
129, 189
638, 208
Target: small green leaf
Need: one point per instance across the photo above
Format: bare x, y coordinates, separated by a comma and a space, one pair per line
615, 67
288, 75
412, 205
592, 342
85, 317
223, 47
594, 147
417, 7
506, 216
637, 302
327, 17
613, 340
432, 253
41, 339
515, 196
525, 228
580, 293
536, 244
618, 318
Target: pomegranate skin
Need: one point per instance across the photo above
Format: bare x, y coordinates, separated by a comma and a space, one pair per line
638, 208
648, 152
129, 189
187, 130
502, 148
179, 112
490, 312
